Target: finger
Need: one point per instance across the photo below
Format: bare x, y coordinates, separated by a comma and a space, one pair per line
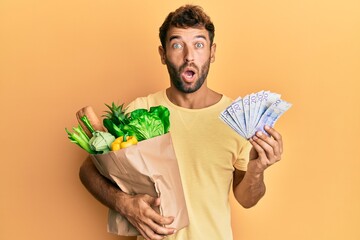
263, 142
152, 231
149, 231
276, 135
151, 235
156, 231
143, 233
157, 217
275, 151
260, 151
157, 202
161, 220
144, 220
161, 229
143, 229
156, 221
149, 199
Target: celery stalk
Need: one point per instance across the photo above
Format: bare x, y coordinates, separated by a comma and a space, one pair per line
87, 123
80, 138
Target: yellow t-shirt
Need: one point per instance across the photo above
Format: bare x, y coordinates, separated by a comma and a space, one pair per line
207, 151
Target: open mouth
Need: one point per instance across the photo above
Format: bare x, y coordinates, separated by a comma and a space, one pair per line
188, 75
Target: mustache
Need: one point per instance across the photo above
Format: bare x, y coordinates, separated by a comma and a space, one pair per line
185, 65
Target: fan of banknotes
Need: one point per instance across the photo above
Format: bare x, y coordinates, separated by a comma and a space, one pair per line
251, 113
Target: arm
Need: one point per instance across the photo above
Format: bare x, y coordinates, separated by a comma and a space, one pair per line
249, 186
136, 208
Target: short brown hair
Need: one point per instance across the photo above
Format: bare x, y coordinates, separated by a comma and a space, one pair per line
185, 17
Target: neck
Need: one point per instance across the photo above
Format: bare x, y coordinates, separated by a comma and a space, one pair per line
202, 98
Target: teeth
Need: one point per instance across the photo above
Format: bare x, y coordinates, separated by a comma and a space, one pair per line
188, 76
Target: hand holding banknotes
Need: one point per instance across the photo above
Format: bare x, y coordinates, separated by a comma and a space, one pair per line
266, 150
253, 117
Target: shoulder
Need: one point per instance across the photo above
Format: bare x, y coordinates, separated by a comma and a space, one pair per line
146, 102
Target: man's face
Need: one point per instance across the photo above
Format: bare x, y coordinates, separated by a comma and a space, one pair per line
188, 55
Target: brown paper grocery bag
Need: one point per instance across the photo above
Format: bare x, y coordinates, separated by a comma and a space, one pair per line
150, 167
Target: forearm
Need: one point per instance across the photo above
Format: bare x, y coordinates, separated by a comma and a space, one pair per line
249, 186
250, 190
101, 188
138, 209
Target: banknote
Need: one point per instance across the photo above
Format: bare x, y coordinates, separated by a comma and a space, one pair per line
255, 103
246, 105
251, 113
271, 115
238, 109
229, 118
267, 100
253, 100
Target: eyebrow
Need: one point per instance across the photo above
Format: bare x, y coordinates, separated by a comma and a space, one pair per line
179, 37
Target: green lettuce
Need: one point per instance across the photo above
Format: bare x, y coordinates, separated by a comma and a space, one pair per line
146, 124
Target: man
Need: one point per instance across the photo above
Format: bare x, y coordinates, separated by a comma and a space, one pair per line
211, 156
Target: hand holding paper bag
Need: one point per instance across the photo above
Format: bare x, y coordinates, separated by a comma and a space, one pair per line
150, 167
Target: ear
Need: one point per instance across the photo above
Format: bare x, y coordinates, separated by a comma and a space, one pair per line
162, 55
212, 52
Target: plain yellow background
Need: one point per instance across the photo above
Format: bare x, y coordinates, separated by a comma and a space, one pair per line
58, 56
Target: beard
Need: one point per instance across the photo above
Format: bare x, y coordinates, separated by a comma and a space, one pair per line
175, 76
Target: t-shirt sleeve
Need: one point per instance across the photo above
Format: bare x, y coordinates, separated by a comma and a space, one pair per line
243, 158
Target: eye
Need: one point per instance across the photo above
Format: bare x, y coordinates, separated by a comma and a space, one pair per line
199, 45
177, 46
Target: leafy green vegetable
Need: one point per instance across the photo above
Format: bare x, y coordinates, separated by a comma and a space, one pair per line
112, 128
80, 138
146, 124
137, 113
87, 123
101, 141
164, 115
142, 123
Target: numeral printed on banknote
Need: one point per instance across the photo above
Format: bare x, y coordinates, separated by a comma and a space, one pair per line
251, 113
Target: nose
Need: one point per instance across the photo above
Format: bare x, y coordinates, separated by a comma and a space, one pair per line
189, 54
